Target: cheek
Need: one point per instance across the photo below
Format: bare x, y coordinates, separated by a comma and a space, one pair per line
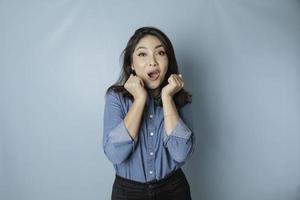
138, 66
163, 76
136, 60
164, 67
163, 62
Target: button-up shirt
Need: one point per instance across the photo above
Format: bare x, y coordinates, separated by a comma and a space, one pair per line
153, 154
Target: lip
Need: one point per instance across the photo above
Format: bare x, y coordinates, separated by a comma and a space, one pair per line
154, 70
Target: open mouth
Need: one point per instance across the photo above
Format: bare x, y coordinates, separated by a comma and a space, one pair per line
153, 75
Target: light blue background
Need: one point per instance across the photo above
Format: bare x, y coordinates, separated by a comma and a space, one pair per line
239, 58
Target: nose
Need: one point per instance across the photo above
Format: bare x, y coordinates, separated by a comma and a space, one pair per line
152, 61
153, 64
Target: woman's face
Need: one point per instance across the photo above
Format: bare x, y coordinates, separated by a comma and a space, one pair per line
150, 61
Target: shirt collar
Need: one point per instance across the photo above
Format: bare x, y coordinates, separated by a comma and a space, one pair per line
156, 100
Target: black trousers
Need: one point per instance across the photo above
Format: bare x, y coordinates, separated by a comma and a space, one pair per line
174, 187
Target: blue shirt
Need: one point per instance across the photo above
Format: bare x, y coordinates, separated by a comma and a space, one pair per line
152, 155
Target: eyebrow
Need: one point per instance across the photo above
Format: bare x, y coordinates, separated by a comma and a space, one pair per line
141, 47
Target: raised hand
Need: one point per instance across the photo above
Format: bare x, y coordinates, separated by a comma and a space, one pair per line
135, 86
176, 83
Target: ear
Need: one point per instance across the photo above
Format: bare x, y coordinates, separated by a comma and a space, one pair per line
132, 70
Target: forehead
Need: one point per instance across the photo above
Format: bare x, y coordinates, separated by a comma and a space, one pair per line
149, 41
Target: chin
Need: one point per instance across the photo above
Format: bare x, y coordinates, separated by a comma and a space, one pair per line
153, 86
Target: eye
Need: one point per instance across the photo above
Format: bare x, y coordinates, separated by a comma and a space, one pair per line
162, 53
142, 54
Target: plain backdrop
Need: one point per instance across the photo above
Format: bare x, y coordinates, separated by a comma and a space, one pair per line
239, 58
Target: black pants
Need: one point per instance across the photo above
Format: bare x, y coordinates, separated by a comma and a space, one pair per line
174, 187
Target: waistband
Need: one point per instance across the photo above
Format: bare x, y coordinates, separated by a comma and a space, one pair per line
174, 176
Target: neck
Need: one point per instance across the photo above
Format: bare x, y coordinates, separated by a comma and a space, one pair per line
155, 92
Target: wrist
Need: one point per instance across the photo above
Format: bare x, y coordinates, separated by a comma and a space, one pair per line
171, 115
165, 97
140, 99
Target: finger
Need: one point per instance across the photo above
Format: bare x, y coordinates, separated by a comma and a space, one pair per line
140, 80
131, 76
129, 79
180, 77
179, 81
172, 80
142, 83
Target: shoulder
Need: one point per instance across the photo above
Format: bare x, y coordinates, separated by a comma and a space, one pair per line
113, 96
118, 92
187, 108
186, 114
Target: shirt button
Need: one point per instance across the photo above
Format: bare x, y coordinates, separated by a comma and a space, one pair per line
151, 172
151, 133
151, 153
151, 116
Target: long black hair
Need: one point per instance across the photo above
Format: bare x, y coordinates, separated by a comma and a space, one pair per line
180, 98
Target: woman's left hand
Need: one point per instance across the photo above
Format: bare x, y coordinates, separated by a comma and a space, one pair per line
175, 85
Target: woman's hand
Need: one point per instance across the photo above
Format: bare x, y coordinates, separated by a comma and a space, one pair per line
175, 85
135, 86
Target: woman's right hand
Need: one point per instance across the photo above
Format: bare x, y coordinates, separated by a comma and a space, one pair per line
135, 86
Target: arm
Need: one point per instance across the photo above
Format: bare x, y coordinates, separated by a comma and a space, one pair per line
178, 137
171, 115
120, 131
134, 116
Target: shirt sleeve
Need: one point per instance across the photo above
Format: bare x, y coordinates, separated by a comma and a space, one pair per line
180, 142
117, 143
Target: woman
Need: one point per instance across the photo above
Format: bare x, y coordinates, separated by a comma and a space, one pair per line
147, 134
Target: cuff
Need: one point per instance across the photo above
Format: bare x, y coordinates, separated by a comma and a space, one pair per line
180, 131
120, 135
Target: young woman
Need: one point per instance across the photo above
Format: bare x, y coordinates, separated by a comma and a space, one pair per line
147, 122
